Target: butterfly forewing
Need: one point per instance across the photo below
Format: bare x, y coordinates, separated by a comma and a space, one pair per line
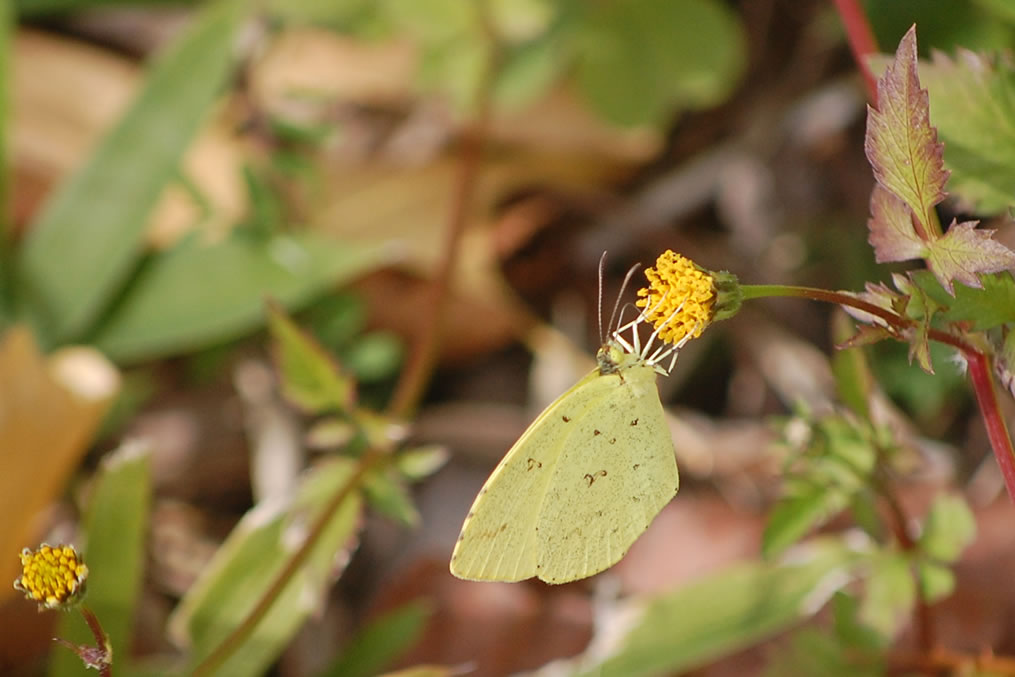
498, 539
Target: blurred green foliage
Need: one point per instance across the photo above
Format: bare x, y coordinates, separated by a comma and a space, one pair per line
83, 275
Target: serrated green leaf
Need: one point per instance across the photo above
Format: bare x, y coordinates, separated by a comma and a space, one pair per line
723, 612
901, 145
251, 557
196, 294
638, 62
987, 307
311, 379
380, 642
890, 593
937, 581
950, 527
87, 238
963, 252
794, 518
388, 495
973, 107
116, 524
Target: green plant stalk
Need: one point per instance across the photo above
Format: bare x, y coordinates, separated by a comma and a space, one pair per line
979, 364
922, 616
241, 633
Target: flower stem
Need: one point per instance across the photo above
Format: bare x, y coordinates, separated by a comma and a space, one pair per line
979, 364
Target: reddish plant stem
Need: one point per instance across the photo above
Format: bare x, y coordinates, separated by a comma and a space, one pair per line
424, 355
979, 365
997, 431
861, 41
923, 619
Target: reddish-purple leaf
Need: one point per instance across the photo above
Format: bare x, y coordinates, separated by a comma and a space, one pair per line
891, 229
901, 145
866, 335
880, 296
963, 252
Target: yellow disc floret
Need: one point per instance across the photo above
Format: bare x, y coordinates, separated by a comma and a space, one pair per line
680, 299
53, 576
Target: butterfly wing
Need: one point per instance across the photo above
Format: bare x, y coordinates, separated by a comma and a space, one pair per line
614, 474
498, 539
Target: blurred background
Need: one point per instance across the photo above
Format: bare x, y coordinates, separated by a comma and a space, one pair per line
172, 165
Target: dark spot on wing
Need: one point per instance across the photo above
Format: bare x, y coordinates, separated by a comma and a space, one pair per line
613, 440
565, 419
635, 466
533, 463
596, 432
469, 516
634, 422
590, 478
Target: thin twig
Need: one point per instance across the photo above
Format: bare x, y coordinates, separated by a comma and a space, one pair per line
423, 358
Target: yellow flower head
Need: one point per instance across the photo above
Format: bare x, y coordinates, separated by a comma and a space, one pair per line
53, 576
680, 299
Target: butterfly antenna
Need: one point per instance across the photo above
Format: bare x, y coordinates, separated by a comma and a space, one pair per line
599, 304
627, 279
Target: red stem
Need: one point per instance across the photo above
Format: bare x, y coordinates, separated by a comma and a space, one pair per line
997, 431
861, 41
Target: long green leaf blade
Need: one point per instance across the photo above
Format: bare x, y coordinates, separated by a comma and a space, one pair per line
87, 238
199, 294
116, 525
727, 611
245, 566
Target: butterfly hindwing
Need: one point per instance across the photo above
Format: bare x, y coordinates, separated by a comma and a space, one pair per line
614, 475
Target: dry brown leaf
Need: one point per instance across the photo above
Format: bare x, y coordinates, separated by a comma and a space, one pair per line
49, 409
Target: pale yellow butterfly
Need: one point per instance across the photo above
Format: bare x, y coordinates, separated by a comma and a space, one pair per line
583, 482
